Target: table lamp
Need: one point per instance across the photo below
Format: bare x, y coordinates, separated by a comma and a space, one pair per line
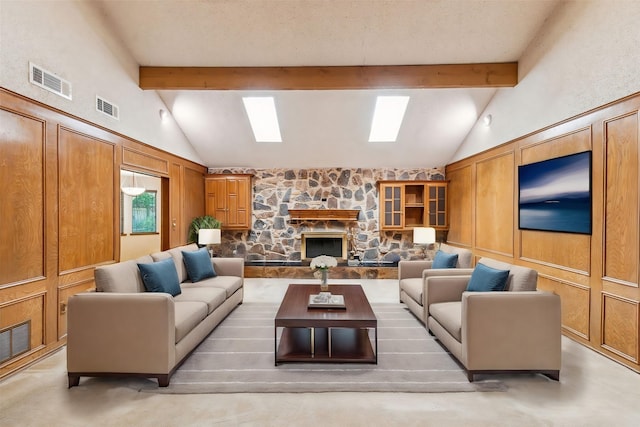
423, 237
208, 237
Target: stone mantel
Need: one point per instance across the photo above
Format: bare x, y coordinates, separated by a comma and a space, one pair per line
325, 214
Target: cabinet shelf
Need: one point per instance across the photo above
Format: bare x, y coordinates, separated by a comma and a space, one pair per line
405, 205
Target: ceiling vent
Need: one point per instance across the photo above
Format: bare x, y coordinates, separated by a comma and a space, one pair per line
108, 108
49, 81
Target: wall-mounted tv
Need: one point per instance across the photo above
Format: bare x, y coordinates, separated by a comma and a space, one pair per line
555, 194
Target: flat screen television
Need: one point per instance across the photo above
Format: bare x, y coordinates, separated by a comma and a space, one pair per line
555, 194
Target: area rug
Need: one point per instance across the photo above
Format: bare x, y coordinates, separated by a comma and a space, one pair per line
238, 357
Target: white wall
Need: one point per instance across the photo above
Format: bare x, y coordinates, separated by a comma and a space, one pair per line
71, 40
586, 55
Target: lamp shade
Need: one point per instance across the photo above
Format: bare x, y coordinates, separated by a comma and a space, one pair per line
209, 236
424, 235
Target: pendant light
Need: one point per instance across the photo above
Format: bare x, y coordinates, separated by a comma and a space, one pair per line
133, 190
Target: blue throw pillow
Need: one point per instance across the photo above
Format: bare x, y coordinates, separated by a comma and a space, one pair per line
198, 264
486, 279
160, 276
444, 260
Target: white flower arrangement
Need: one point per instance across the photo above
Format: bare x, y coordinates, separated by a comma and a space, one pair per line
323, 262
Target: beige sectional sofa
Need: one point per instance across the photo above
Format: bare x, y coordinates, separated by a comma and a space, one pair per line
515, 330
122, 330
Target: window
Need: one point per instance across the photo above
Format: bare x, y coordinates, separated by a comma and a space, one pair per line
143, 213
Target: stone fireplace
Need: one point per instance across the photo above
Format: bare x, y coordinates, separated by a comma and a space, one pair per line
315, 243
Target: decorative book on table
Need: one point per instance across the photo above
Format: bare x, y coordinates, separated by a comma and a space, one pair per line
326, 300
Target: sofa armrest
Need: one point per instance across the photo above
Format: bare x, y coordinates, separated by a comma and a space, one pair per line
228, 266
412, 269
447, 272
511, 330
121, 333
444, 288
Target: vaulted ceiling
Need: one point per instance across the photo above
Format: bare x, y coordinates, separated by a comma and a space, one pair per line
325, 128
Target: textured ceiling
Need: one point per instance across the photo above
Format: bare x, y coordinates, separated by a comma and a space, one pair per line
325, 128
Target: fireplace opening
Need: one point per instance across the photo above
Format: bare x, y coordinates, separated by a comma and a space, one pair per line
323, 243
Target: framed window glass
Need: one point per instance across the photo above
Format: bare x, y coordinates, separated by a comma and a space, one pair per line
143, 213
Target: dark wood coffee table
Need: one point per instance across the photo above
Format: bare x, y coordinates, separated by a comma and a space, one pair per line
325, 334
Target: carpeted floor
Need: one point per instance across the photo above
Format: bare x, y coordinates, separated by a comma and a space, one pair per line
237, 357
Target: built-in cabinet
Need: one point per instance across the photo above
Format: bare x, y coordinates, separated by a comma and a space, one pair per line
228, 199
408, 204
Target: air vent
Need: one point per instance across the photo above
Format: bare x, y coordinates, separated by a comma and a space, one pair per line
49, 81
108, 108
15, 340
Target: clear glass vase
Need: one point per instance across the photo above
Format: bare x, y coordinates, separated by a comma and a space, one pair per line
324, 286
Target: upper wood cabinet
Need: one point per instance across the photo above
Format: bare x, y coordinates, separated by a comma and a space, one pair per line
228, 199
408, 204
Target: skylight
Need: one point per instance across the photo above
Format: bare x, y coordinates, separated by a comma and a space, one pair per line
264, 120
387, 118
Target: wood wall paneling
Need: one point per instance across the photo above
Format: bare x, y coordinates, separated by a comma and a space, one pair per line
575, 302
494, 204
194, 201
572, 252
573, 142
144, 160
22, 212
60, 206
87, 206
620, 326
460, 196
596, 276
30, 308
621, 251
175, 206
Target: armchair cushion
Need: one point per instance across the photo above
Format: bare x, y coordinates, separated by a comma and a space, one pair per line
445, 260
520, 278
413, 288
486, 279
449, 315
464, 255
198, 264
160, 276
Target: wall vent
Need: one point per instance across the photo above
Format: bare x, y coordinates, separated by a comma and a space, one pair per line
15, 340
108, 108
49, 81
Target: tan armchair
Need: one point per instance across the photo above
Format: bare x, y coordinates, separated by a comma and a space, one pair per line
516, 330
412, 274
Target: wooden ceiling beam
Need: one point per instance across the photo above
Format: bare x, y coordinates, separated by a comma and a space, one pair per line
330, 78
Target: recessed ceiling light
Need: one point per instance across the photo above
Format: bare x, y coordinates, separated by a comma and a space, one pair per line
263, 118
387, 118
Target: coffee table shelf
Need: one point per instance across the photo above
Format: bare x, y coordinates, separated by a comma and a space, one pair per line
325, 334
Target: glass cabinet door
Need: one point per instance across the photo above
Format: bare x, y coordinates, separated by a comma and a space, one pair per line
438, 205
391, 206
